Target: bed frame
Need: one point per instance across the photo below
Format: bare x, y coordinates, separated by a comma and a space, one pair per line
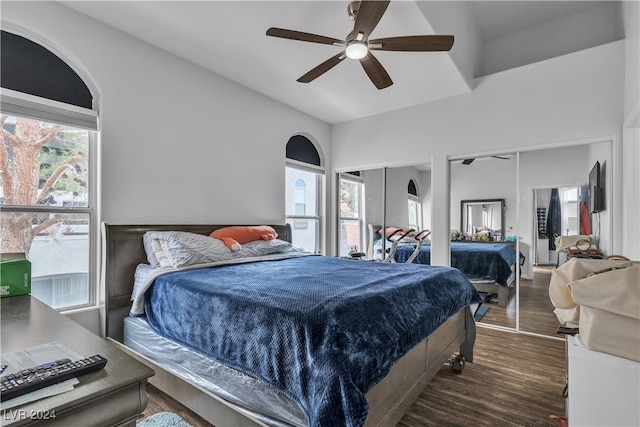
122, 251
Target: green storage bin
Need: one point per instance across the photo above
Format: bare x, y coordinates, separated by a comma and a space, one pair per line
15, 275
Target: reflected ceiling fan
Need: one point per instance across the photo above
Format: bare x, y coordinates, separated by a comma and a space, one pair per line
469, 161
357, 45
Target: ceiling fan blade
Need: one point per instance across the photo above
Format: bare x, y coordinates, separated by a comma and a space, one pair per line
367, 17
322, 68
428, 43
301, 36
376, 71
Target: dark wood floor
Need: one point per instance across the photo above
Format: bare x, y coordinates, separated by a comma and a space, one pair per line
515, 379
536, 310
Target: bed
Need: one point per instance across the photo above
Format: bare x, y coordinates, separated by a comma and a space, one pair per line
490, 266
239, 381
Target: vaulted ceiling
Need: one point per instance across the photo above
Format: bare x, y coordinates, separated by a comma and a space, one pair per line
228, 38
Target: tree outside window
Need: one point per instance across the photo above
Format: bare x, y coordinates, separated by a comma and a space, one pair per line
45, 213
351, 218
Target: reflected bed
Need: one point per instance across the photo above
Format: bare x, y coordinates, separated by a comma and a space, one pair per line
490, 266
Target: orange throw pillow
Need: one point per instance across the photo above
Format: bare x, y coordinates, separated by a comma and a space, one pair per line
236, 235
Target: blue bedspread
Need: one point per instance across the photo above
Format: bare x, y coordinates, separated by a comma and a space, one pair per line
321, 330
490, 261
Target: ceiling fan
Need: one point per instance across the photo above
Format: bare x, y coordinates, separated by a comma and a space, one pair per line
357, 45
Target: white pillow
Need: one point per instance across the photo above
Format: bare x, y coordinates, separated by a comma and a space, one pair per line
159, 254
139, 278
148, 248
264, 247
183, 248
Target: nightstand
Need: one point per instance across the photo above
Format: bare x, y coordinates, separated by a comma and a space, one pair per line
113, 396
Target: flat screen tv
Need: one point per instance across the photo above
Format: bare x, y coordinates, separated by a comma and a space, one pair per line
596, 191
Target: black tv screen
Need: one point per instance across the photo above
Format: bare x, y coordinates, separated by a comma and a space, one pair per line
596, 192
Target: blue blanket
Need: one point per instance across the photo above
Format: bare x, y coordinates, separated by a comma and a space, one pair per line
490, 261
321, 330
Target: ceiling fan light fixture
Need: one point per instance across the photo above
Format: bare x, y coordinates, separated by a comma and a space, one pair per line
356, 49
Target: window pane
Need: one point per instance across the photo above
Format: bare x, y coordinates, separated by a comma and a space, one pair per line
59, 254
350, 236
47, 166
306, 234
414, 215
349, 199
47, 163
301, 190
301, 194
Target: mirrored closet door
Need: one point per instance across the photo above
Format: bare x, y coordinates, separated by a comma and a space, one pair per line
545, 194
483, 222
554, 201
390, 196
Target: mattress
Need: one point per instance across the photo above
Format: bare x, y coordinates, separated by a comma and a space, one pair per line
258, 399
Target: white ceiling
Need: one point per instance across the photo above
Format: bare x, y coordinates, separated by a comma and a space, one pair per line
228, 38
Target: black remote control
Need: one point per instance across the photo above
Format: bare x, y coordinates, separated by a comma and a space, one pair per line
28, 380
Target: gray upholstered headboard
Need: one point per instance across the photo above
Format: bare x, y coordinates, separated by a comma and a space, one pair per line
122, 251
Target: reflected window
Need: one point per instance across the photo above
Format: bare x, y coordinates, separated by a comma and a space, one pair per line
351, 232
570, 211
414, 206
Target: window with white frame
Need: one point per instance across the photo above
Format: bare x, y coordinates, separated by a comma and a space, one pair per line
415, 210
570, 211
303, 193
47, 173
351, 197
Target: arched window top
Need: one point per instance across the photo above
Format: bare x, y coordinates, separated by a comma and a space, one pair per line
300, 148
30, 68
300, 184
413, 188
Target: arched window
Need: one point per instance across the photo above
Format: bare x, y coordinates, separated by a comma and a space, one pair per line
49, 125
415, 217
304, 192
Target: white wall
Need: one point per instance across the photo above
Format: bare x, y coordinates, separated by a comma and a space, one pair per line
559, 37
425, 196
631, 143
573, 97
178, 143
631, 18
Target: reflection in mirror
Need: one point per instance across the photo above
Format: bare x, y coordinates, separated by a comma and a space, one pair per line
482, 220
482, 192
558, 192
396, 197
352, 231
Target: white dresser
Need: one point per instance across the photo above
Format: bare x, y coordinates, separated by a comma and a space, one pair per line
604, 390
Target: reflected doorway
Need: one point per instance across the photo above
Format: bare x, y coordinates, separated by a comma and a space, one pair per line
556, 213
